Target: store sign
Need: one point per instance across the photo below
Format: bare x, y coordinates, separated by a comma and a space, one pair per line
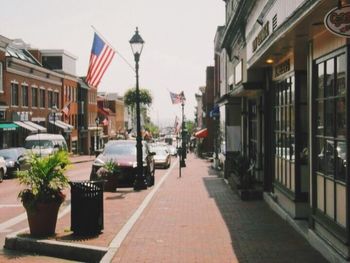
282, 68
337, 21
263, 34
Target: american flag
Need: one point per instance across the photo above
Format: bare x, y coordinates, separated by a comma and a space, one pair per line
177, 98
100, 58
105, 122
66, 109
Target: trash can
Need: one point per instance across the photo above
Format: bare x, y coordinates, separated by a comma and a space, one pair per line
86, 207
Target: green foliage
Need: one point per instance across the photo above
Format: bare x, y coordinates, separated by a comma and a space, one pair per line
190, 125
153, 129
109, 168
44, 180
130, 97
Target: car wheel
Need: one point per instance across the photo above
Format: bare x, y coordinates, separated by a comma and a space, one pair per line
150, 179
1, 175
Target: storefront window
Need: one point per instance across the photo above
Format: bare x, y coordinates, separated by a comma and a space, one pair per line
284, 132
341, 70
329, 83
331, 129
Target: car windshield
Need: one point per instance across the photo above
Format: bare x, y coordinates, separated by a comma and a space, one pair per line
120, 149
36, 144
160, 151
8, 153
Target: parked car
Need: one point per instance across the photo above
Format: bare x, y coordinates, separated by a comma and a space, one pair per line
123, 153
15, 159
162, 157
44, 144
172, 150
3, 168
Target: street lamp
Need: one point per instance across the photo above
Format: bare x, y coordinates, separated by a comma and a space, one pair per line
97, 121
54, 111
136, 43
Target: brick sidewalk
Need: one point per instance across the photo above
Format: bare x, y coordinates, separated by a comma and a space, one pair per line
197, 218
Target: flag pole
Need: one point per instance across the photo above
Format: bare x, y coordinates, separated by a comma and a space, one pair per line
105, 40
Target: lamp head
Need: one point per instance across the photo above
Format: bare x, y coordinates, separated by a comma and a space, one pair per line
136, 43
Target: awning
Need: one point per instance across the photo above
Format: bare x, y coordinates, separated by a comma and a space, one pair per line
8, 126
36, 126
64, 126
202, 133
26, 126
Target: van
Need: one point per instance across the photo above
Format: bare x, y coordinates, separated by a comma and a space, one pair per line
44, 143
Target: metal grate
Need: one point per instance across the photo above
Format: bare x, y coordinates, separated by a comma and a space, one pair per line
274, 22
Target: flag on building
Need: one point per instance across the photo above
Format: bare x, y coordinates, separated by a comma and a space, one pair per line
66, 109
100, 58
177, 98
105, 122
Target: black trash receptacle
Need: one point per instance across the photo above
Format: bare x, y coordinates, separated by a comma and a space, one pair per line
86, 207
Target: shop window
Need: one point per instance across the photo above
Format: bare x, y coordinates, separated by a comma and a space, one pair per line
42, 98
14, 94
331, 119
330, 134
25, 99
285, 133
34, 97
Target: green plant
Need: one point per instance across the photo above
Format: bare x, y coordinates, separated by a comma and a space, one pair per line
243, 168
44, 180
109, 168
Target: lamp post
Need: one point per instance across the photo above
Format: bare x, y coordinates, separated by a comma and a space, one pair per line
183, 138
54, 111
97, 121
136, 43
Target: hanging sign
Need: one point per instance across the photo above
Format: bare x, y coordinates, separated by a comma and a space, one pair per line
337, 21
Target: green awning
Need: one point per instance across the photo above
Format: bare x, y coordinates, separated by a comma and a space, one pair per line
8, 126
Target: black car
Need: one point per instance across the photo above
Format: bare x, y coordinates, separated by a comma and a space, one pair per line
123, 153
16, 159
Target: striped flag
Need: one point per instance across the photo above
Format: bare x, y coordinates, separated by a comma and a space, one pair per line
100, 58
66, 109
177, 98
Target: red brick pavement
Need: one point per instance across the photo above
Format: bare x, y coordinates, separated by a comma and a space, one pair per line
197, 218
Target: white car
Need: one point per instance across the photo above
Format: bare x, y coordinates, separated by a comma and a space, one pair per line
3, 168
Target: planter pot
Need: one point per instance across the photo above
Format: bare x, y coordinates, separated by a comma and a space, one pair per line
110, 183
42, 219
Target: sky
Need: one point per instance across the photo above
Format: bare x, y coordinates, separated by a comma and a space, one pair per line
179, 42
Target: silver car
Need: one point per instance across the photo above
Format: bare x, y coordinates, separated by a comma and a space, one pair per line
3, 168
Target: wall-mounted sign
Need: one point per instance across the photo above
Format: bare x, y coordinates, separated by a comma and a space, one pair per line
263, 34
282, 68
337, 21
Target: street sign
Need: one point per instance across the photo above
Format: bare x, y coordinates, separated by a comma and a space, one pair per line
337, 21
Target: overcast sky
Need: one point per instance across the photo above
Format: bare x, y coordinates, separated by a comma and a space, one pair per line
179, 38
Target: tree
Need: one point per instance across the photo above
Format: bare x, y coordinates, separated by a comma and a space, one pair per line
190, 127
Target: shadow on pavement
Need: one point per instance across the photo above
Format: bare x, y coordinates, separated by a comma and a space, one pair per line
257, 233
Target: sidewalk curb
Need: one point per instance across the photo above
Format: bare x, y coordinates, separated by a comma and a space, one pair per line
85, 253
